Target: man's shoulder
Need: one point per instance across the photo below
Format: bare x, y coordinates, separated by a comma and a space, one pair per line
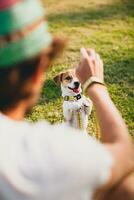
61, 149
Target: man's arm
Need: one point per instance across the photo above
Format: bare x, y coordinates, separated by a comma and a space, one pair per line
114, 132
125, 190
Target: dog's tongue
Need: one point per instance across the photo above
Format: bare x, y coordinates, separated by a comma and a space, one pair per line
76, 90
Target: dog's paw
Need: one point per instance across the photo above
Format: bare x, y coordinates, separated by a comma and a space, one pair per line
88, 107
87, 110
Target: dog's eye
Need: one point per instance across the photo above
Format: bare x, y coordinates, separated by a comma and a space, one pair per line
68, 78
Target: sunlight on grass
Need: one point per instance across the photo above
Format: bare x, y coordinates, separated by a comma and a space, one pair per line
107, 26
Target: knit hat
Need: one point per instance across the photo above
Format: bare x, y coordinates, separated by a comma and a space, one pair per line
23, 31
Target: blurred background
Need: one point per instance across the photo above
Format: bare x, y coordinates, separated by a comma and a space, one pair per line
107, 26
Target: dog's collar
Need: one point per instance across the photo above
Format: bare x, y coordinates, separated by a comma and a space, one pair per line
72, 98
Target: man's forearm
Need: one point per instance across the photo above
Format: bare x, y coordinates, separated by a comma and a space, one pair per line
112, 126
125, 190
114, 133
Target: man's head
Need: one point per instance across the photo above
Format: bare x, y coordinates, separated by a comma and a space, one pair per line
26, 51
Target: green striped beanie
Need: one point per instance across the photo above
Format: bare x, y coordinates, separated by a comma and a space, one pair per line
23, 31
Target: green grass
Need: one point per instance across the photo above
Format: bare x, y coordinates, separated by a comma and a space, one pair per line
107, 26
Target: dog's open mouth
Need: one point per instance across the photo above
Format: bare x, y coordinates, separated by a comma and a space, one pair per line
76, 90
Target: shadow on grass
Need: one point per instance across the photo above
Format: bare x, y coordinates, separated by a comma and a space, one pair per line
50, 92
92, 15
120, 72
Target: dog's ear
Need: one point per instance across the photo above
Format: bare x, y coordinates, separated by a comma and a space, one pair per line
57, 79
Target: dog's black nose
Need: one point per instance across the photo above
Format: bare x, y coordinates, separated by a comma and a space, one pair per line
76, 84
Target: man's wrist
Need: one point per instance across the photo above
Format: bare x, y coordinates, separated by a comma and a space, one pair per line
92, 80
96, 90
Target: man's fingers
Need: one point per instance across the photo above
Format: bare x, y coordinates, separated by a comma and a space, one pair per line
84, 53
91, 53
97, 58
88, 53
90, 65
86, 58
99, 61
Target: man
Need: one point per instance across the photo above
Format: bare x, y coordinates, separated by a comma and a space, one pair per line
40, 161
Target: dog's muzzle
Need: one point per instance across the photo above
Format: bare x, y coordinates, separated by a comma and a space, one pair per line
76, 84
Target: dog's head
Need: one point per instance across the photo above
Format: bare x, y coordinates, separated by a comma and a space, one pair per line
70, 85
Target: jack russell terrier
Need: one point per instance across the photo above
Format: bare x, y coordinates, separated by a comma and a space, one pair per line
76, 107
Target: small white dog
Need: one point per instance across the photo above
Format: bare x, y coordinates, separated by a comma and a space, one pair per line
76, 107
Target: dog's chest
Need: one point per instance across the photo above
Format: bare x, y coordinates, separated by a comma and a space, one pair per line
73, 105
77, 110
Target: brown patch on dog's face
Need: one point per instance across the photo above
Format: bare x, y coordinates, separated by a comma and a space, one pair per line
57, 79
64, 78
67, 78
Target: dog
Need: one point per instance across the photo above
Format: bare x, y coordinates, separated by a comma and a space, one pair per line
76, 107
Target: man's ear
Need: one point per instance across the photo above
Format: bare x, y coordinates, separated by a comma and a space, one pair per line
38, 75
57, 79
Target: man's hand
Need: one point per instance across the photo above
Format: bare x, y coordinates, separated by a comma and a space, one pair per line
90, 65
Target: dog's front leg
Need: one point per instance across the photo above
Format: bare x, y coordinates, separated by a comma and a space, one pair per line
67, 115
88, 106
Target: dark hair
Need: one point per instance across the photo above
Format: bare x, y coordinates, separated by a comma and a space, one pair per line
14, 78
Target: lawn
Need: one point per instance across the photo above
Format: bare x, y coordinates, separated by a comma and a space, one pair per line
107, 26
